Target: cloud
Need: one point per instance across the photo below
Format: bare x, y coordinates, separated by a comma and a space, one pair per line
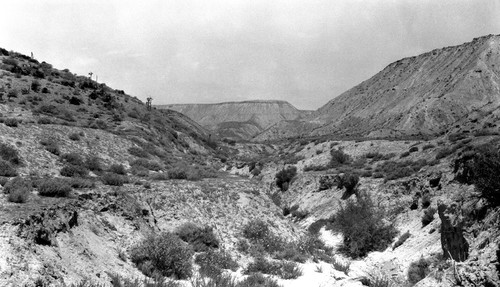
306, 52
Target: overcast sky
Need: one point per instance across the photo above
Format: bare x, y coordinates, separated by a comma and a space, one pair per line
180, 51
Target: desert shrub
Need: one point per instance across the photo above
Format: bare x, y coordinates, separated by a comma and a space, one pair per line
213, 262
378, 280
363, 226
394, 170
480, 167
51, 146
77, 182
428, 216
72, 158
19, 189
11, 122
258, 280
314, 167
200, 238
10, 154
338, 158
418, 270
35, 86
163, 254
44, 121
54, 187
401, 239
405, 154
316, 226
413, 149
70, 170
160, 176
3, 180
374, 156
284, 270
428, 146
138, 152
118, 169
456, 136
285, 176
113, 179
93, 163
6, 169
146, 164
256, 230
74, 137
139, 171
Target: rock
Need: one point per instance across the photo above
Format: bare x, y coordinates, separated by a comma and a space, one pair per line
453, 242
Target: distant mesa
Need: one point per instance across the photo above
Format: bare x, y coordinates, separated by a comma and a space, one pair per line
239, 120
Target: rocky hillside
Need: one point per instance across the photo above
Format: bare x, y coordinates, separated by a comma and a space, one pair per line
238, 120
422, 95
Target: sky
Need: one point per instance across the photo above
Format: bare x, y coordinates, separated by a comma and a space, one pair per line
206, 51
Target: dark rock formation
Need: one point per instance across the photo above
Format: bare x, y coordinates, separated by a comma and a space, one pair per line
452, 239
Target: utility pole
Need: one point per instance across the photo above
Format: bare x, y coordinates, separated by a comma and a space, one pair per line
90, 74
148, 103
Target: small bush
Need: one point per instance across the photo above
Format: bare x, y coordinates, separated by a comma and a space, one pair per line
284, 270
341, 265
44, 121
6, 169
93, 163
285, 176
213, 262
163, 254
428, 216
200, 238
118, 169
401, 239
10, 154
11, 122
74, 137
72, 158
54, 187
256, 230
428, 146
349, 181
363, 226
405, 154
78, 183
74, 171
19, 189
51, 146
113, 179
426, 201
418, 270
146, 164
338, 158
258, 280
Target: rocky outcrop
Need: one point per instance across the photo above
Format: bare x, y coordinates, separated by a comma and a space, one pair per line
452, 239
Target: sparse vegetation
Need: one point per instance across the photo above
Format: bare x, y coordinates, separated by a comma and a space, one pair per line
113, 179
428, 216
200, 238
212, 262
418, 270
18, 190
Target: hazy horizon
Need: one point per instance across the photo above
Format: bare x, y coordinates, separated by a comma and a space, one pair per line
303, 52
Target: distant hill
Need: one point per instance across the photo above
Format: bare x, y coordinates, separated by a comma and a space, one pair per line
453, 88
238, 120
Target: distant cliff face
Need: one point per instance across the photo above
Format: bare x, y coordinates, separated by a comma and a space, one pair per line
450, 88
241, 120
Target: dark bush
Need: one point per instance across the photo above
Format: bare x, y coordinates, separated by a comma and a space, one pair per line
256, 230
75, 101
285, 270
44, 121
405, 154
74, 171
426, 200
11, 122
19, 189
54, 187
6, 169
213, 262
428, 216
113, 179
163, 254
349, 181
363, 226
10, 154
480, 167
200, 238
285, 176
413, 149
428, 146
74, 137
418, 270
258, 280
77, 182
339, 158
51, 146
118, 169
146, 164
35, 86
